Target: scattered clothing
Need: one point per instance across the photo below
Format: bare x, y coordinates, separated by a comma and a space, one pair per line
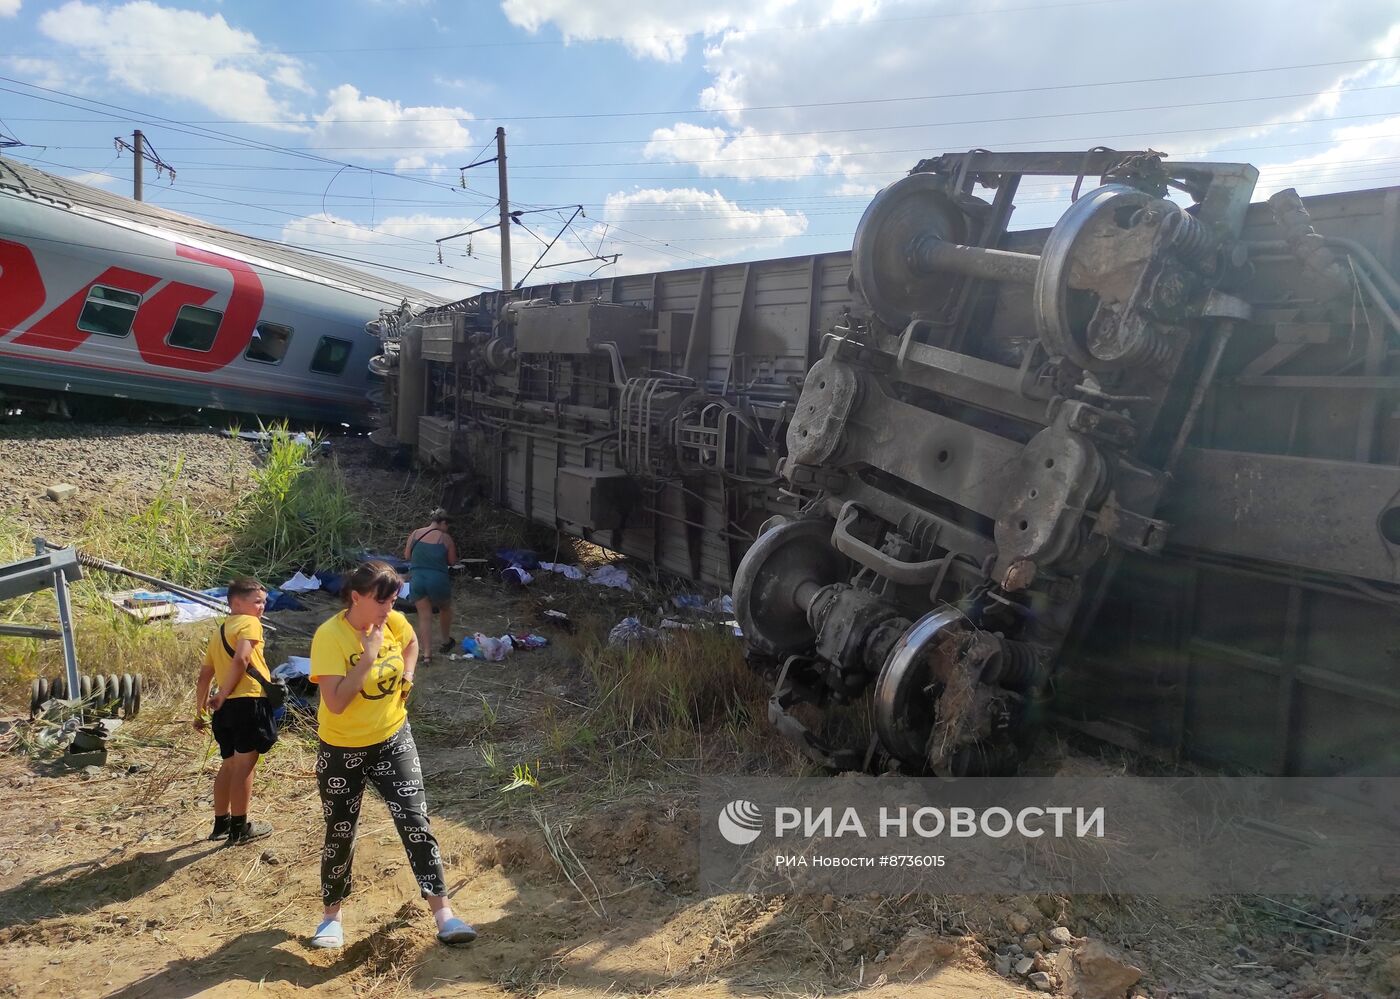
630, 630
279, 601
567, 571
516, 576
301, 584
295, 666
695, 602
611, 575
522, 557
491, 649
529, 641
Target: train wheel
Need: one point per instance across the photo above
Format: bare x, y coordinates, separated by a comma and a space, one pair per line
904, 707
785, 562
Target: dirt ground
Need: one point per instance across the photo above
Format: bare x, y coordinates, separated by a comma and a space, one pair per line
108, 889
583, 886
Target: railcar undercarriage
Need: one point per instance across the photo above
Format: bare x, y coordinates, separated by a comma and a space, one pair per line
1125, 469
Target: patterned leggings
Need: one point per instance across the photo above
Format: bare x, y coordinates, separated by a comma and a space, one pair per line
392, 766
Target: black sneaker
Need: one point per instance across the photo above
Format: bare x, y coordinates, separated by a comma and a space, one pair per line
448, 645
248, 832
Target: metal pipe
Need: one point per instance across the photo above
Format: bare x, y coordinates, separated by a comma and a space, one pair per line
65, 621
1224, 329
1372, 274
28, 631
193, 595
933, 254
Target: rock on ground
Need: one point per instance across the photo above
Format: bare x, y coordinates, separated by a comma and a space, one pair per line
1098, 971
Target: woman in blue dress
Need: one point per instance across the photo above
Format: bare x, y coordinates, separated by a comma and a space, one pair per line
430, 551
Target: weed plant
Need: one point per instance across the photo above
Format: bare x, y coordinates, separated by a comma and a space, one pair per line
291, 513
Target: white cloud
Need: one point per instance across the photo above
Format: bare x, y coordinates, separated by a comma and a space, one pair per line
659, 30
181, 54
41, 72
699, 224
9, 8
746, 153
860, 90
361, 126
1360, 156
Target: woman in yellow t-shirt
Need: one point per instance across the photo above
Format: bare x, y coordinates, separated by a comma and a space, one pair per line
363, 661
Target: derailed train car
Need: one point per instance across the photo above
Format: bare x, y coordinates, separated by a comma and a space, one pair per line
1138, 470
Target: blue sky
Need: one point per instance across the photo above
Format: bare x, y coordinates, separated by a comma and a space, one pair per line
691, 132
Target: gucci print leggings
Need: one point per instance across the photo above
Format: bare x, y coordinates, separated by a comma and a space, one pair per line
392, 767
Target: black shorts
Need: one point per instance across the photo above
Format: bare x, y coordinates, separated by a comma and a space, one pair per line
244, 725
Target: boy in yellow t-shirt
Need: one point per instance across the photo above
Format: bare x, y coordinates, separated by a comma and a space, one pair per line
241, 720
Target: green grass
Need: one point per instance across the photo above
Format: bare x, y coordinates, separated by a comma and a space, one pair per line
299, 515
291, 514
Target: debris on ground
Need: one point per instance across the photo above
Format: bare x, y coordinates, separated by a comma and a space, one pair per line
630, 630
300, 583
612, 576
567, 571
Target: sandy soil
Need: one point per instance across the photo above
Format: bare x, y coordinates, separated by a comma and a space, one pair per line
107, 888
582, 888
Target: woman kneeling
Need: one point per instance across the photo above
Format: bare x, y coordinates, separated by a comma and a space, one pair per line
363, 661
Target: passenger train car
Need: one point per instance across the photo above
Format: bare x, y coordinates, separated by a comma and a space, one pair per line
101, 295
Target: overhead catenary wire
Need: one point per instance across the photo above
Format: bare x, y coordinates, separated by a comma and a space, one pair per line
852, 102
237, 140
856, 129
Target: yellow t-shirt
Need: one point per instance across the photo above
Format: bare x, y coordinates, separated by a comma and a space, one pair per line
237, 626
377, 712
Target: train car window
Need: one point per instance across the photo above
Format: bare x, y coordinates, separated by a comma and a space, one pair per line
108, 311
269, 343
195, 328
331, 356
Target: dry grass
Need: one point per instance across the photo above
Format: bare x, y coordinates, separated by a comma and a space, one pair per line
688, 697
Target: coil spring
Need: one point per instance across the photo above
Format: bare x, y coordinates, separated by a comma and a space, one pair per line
1191, 239
1149, 348
111, 695
1021, 667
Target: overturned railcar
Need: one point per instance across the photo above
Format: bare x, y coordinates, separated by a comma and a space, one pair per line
1140, 471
